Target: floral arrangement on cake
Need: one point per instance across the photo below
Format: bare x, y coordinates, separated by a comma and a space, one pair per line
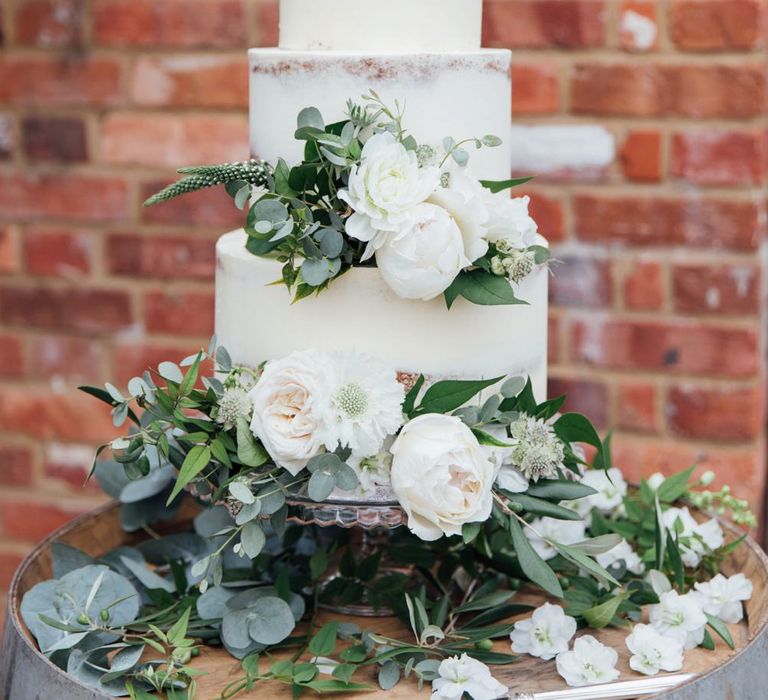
498, 496
367, 192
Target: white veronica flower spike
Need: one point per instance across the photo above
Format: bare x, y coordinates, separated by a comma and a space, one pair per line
590, 662
463, 674
653, 652
722, 596
680, 617
545, 634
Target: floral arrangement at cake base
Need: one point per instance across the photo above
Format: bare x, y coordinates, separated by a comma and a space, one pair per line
505, 504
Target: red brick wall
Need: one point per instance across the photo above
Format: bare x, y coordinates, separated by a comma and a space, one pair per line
657, 318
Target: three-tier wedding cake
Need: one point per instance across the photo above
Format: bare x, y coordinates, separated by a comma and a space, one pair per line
426, 55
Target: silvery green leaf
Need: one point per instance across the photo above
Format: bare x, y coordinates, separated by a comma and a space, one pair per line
252, 538
272, 499
246, 598
283, 232
491, 141
170, 371
389, 675
489, 409
147, 578
315, 271
214, 384
150, 485
310, 116
512, 387
448, 143
66, 642
334, 158
248, 512
234, 628
214, 341
460, 156
199, 568
114, 559
321, 485
347, 133
241, 491
185, 546
271, 210
242, 196
658, 581
67, 558
598, 545
37, 601
212, 520
346, 478
241, 653
270, 620
189, 360
263, 227
212, 604
331, 242
119, 414
114, 392
127, 658
223, 360
137, 386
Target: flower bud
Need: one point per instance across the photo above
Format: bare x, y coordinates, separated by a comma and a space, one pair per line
707, 478
484, 644
83, 619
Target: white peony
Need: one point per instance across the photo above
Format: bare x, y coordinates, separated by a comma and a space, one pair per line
722, 597
700, 538
422, 261
463, 674
509, 221
590, 662
562, 531
441, 476
680, 617
288, 411
622, 552
653, 652
611, 489
383, 189
465, 199
545, 634
363, 403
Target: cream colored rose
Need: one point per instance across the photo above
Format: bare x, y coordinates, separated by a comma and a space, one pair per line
441, 476
287, 414
423, 262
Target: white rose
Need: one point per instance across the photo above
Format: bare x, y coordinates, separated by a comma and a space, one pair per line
287, 415
383, 189
441, 476
509, 220
465, 199
423, 261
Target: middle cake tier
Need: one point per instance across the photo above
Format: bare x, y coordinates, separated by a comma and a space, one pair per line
460, 94
256, 321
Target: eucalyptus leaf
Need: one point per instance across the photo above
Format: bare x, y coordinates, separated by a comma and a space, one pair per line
270, 620
321, 485
66, 558
212, 604
252, 538
147, 578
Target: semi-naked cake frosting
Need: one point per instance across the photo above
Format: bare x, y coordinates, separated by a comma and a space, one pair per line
334, 50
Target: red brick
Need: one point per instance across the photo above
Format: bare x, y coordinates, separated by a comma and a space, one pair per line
647, 90
179, 313
172, 23
535, 89
75, 197
9, 562
190, 81
16, 465
72, 359
638, 25
712, 25
644, 286
717, 413
723, 289
70, 416
584, 396
268, 24
60, 139
132, 360
73, 309
719, 157
672, 348
32, 520
209, 207
161, 256
582, 282
11, 356
168, 140
553, 339
50, 23
637, 407
648, 221
568, 24
58, 253
10, 260
70, 465
640, 156
49, 81
548, 214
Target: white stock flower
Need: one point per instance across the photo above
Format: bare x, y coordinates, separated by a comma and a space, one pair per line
464, 198
287, 408
509, 221
722, 597
463, 674
622, 552
610, 486
363, 403
680, 617
383, 189
563, 531
700, 538
422, 261
545, 634
653, 652
441, 476
590, 662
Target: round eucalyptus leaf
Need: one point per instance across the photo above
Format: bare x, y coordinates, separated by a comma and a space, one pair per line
114, 560
310, 116
270, 620
213, 520
92, 589
238, 653
37, 601
331, 242
272, 499
111, 477
346, 478
148, 578
186, 546
127, 658
252, 539
321, 485
234, 629
315, 271
148, 486
66, 558
246, 598
212, 605
270, 210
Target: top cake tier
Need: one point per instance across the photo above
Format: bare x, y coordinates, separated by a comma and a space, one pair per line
380, 25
